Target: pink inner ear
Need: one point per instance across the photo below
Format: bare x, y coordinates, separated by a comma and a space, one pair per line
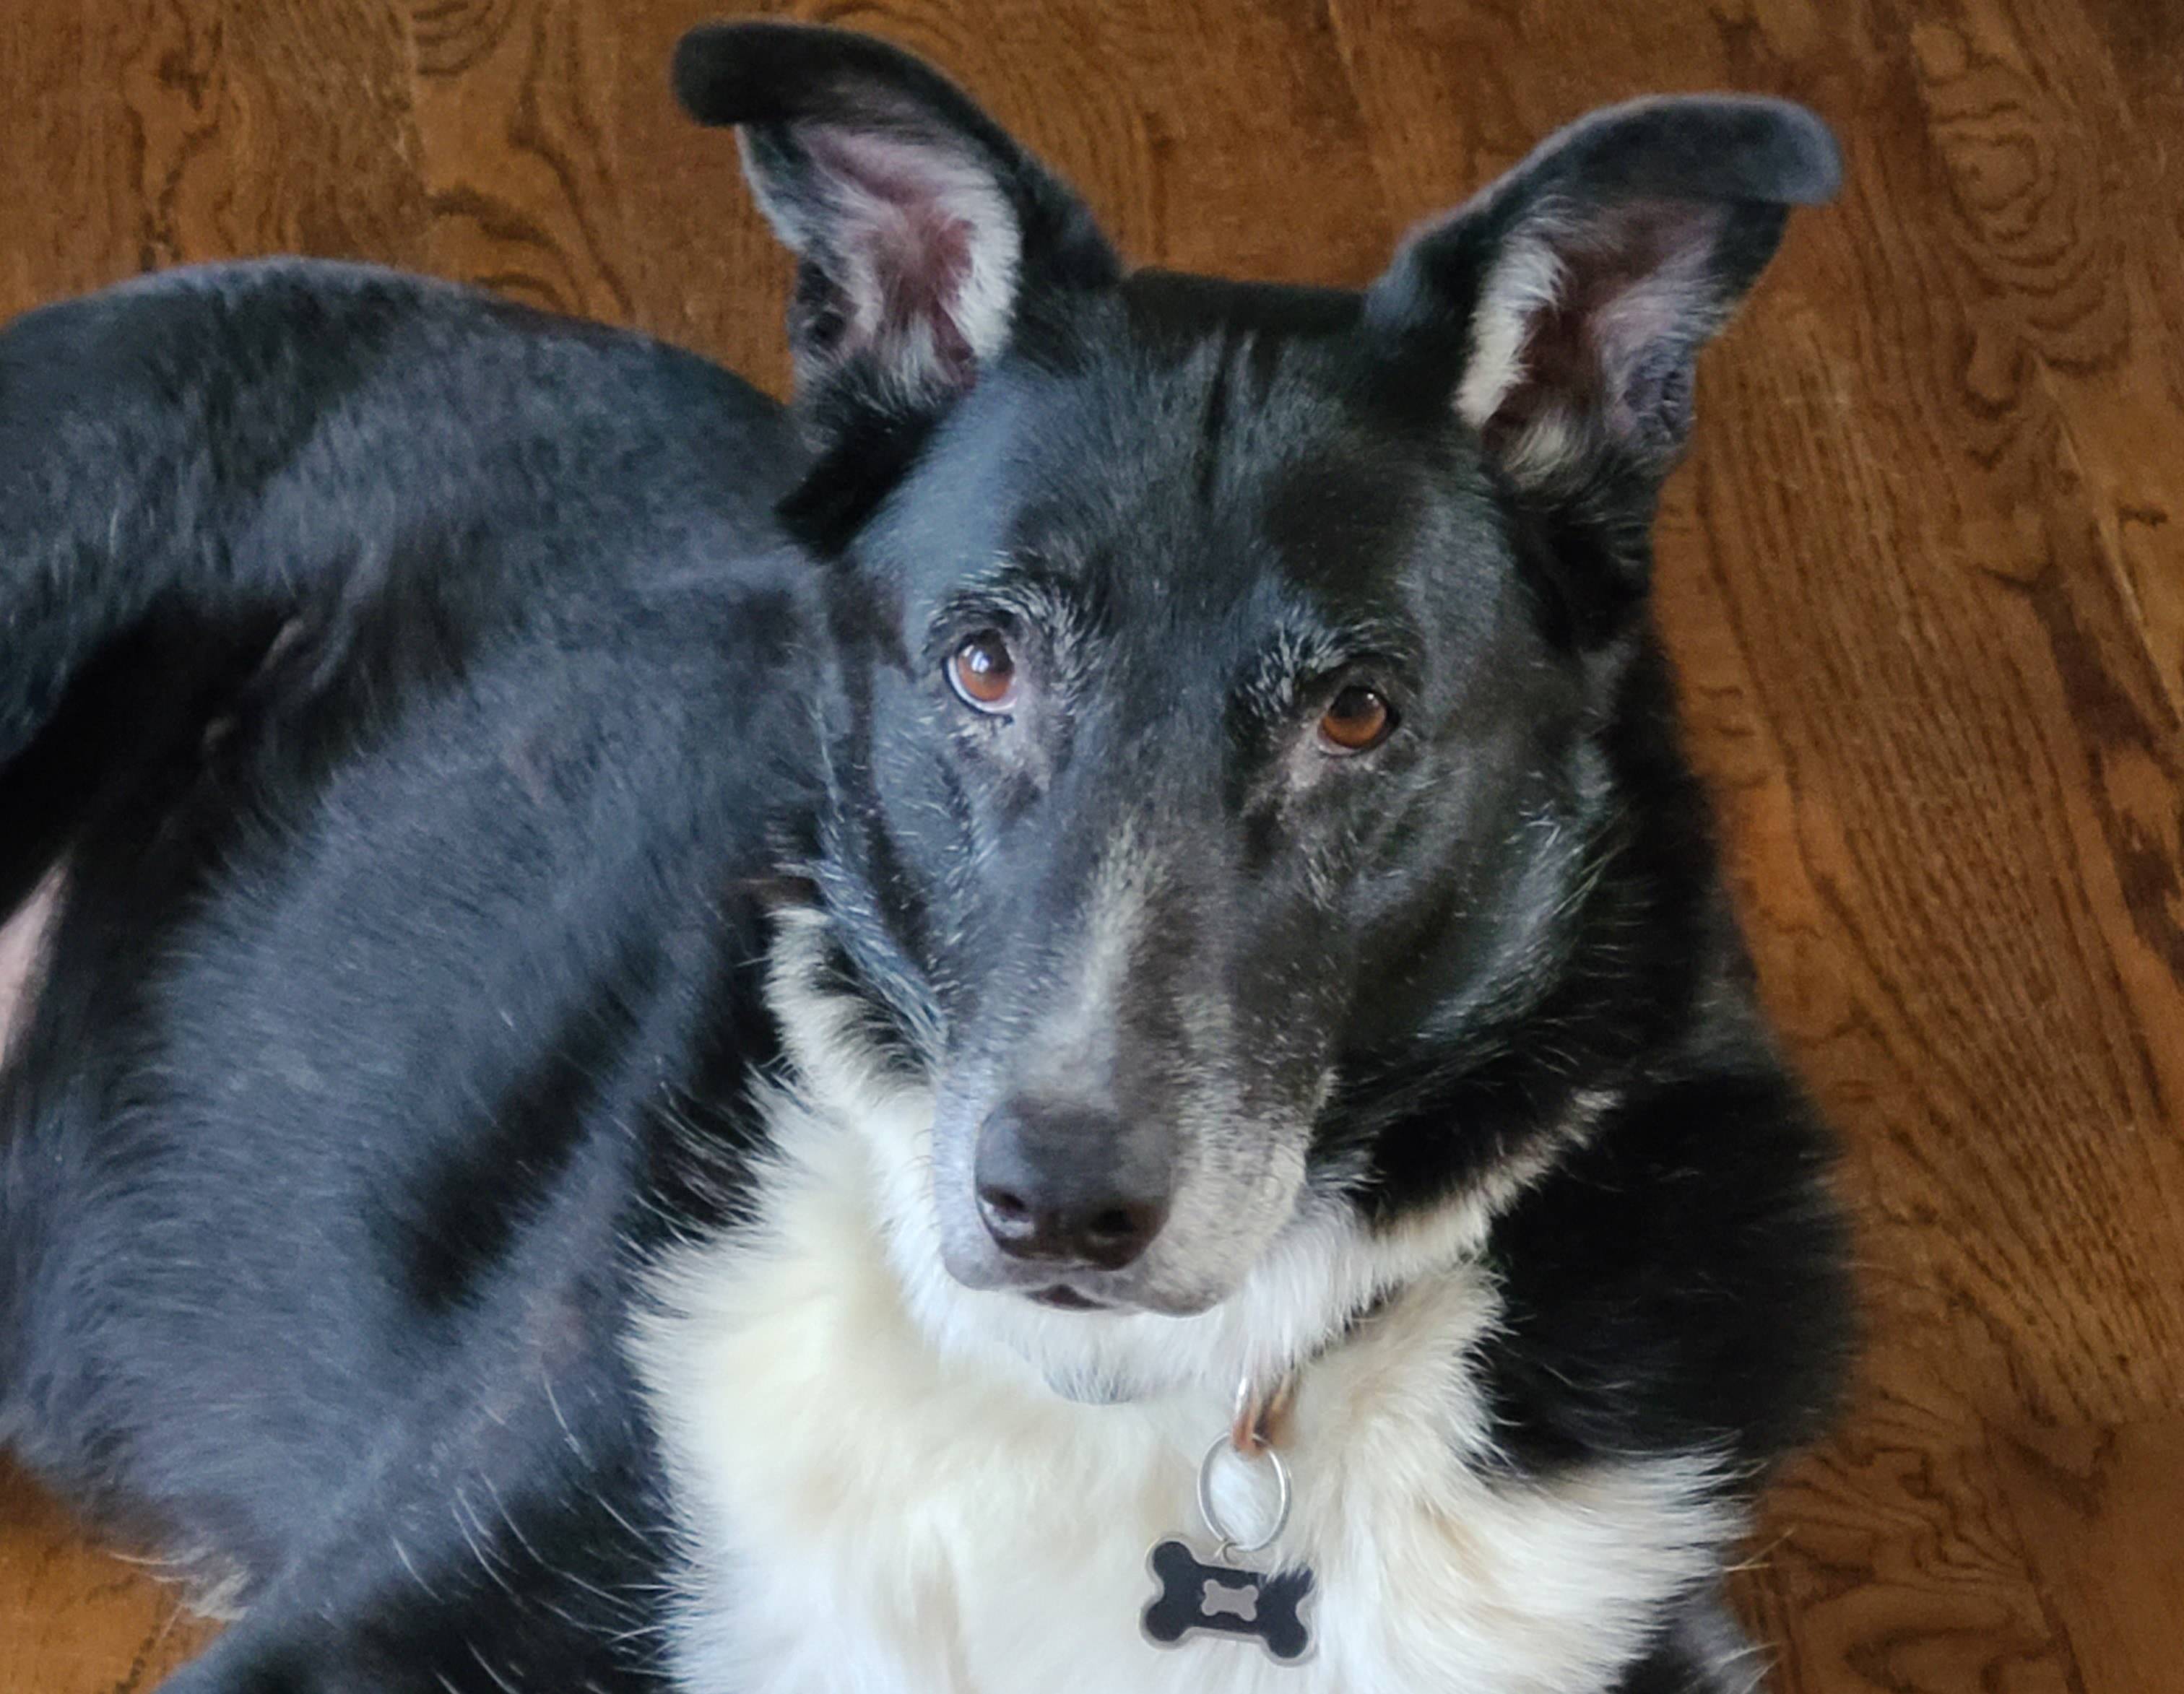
1632, 287
1663, 298
927, 247
922, 281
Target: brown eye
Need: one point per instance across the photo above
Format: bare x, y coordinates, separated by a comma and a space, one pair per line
1356, 721
981, 673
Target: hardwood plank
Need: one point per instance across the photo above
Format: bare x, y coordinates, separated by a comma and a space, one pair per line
1892, 1561
518, 168
2099, 1510
74, 1619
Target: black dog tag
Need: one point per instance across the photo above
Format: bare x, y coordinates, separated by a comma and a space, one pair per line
1195, 1599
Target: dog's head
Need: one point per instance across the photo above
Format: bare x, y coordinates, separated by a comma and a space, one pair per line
1221, 671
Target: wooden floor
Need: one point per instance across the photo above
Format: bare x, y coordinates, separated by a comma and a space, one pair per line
1924, 576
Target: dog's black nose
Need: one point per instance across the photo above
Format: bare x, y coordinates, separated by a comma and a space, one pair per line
1071, 1184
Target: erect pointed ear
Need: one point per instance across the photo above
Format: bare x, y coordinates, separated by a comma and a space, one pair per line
1576, 293
921, 230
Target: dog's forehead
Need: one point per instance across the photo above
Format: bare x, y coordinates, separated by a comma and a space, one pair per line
1192, 438
1180, 308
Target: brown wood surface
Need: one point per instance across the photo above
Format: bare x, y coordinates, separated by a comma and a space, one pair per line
1925, 577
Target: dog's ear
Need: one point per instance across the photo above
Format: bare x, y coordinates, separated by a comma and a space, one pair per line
921, 230
1569, 301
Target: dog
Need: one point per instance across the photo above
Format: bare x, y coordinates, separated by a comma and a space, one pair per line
1060, 1021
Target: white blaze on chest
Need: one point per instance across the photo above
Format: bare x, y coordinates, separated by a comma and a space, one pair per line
865, 1515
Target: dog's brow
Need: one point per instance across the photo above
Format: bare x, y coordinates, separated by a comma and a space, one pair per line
1031, 589
1299, 651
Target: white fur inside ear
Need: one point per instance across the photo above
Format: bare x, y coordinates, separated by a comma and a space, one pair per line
921, 247
1527, 279
25, 935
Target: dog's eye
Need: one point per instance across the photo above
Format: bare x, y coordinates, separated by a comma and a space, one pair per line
1356, 721
981, 673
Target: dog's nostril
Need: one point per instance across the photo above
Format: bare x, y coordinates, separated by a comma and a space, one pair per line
1114, 1236
1115, 1224
999, 1203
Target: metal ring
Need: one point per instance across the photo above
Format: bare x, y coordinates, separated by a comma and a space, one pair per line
1229, 1544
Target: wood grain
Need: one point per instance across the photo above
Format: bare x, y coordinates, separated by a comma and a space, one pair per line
1924, 578
74, 1619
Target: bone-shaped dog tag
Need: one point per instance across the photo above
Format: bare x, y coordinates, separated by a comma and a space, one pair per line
1197, 1598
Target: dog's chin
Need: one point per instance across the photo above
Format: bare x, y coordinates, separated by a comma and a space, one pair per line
1203, 1309
1066, 1296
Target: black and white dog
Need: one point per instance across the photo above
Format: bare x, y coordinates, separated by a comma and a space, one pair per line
648, 1043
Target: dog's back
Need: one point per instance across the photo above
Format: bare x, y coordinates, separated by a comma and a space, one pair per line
361, 621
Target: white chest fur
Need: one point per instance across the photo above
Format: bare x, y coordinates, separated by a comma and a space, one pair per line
869, 1512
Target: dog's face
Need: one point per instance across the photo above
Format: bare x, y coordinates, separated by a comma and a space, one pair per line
1219, 668
1208, 695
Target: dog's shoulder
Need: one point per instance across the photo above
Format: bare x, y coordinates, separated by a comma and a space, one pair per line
1678, 1284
